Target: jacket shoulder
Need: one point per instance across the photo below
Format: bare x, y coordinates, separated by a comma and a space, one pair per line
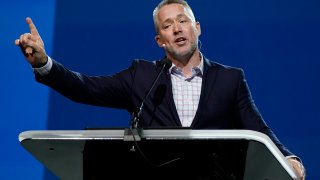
143, 63
222, 67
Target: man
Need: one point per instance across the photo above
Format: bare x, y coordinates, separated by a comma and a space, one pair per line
195, 92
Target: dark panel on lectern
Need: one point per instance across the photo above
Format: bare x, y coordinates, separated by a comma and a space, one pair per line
165, 159
181, 159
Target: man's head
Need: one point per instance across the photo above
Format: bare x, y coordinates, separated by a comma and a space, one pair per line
177, 29
167, 2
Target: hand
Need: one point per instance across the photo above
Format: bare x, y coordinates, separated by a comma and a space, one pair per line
32, 46
298, 167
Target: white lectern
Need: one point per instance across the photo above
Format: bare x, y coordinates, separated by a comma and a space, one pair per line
159, 154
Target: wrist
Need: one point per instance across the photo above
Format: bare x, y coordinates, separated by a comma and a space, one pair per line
41, 64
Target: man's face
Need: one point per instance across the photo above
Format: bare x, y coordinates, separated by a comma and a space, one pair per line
177, 31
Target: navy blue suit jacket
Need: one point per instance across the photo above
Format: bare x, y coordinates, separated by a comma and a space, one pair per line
225, 100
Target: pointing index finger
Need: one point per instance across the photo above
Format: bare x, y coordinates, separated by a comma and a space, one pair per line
32, 27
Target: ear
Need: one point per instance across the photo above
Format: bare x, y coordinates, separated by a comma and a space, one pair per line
198, 28
158, 40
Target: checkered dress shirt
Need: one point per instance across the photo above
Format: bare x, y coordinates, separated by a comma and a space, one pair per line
186, 92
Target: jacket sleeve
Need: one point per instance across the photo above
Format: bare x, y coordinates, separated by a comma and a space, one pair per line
250, 116
110, 91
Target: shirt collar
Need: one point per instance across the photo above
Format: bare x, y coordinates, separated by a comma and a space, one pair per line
200, 66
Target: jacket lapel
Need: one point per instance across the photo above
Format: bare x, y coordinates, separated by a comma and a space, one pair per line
208, 81
170, 101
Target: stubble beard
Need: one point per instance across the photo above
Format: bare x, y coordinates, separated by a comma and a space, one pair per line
183, 57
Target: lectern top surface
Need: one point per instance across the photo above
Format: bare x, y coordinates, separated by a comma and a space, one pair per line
148, 133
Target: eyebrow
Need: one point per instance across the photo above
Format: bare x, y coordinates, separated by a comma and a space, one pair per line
182, 15
177, 17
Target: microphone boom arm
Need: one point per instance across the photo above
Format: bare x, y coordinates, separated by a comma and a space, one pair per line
136, 115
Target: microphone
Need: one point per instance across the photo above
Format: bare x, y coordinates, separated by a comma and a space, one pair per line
165, 64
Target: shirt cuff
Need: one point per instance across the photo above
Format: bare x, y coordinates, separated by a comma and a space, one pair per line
44, 70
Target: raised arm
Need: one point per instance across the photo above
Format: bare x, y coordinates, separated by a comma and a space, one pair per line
32, 46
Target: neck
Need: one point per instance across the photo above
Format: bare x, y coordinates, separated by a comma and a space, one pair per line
187, 63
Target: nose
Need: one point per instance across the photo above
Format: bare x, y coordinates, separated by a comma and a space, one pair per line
177, 28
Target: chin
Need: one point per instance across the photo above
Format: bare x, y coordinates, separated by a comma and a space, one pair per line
186, 52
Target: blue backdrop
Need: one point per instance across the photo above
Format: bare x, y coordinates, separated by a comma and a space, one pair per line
276, 42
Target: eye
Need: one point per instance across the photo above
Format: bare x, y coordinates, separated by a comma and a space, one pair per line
166, 26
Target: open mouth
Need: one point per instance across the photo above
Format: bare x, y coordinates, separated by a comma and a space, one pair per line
180, 40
